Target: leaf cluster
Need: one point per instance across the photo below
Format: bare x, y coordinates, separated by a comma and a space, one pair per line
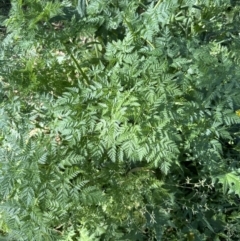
119, 120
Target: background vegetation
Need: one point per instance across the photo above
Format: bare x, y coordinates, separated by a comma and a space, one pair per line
119, 120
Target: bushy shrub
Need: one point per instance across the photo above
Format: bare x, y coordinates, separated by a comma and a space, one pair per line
120, 121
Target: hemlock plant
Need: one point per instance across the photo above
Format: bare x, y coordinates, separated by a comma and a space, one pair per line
120, 120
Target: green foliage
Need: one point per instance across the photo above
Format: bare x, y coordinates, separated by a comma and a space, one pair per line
119, 120
230, 182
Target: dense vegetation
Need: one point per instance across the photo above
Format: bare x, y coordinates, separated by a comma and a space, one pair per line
120, 120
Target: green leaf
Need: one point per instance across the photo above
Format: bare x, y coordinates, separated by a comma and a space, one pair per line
230, 182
